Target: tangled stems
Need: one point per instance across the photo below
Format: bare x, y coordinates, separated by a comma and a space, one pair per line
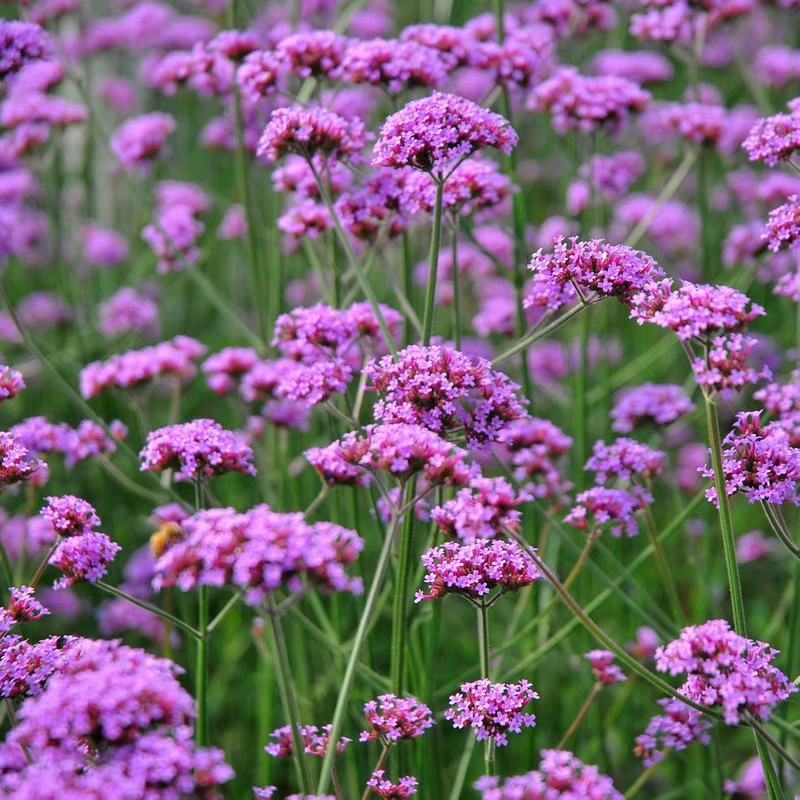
289, 696
355, 652
433, 264
400, 610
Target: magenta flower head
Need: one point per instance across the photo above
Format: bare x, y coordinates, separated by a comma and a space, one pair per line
774, 139
22, 607
625, 460
308, 132
604, 669
616, 508
141, 140
84, 557
588, 271
726, 670
70, 515
560, 775
17, 462
260, 73
383, 787
675, 729
655, 403
438, 132
483, 510
312, 54
726, 368
392, 719
21, 43
480, 571
196, 450
315, 741
492, 710
11, 383
783, 226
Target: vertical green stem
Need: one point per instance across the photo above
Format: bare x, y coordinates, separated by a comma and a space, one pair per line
433, 266
456, 287
581, 404
581, 716
283, 669
483, 645
706, 266
201, 686
401, 595
408, 282
663, 566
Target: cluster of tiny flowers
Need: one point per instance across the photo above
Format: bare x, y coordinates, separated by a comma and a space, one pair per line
476, 569
406, 787
560, 775
103, 247
21, 43
141, 140
196, 450
726, 368
70, 515
759, 462
225, 369
315, 741
589, 271
604, 669
483, 510
659, 404
310, 131
446, 391
492, 710
783, 226
435, 133
173, 236
782, 400
588, 103
675, 729
392, 719
398, 449
11, 383
128, 311
259, 551
176, 358
610, 176
727, 670
774, 139
25, 668
616, 508
268, 793
625, 460
22, 607
17, 462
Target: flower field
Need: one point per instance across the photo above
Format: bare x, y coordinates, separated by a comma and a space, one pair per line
399, 399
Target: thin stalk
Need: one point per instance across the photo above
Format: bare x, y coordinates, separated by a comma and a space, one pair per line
433, 265
641, 781
483, 646
726, 523
408, 282
578, 566
705, 212
291, 708
401, 595
355, 652
663, 566
456, 287
224, 612
581, 716
159, 612
378, 765
8, 573
40, 570
581, 405
774, 791
201, 678
778, 525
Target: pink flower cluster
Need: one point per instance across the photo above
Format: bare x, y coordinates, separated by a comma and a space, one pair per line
406, 787
726, 670
783, 226
616, 508
774, 139
392, 719
315, 741
625, 460
492, 710
22, 607
21, 43
659, 404
17, 462
604, 669
676, 729
11, 383
141, 140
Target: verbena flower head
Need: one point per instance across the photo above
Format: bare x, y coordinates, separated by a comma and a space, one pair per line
656, 403
392, 719
383, 787
492, 710
225, 369
726, 368
312, 53
315, 741
70, 515
595, 268
483, 510
476, 570
625, 460
604, 669
560, 775
616, 508
781, 399
702, 123
22, 607
21, 43
525, 58
83, 557
639, 66
308, 132
726, 670
11, 383
774, 139
694, 309
446, 391
588, 103
395, 66
678, 727
436, 133
196, 450
17, 462
260, 74
141, 140
173, 237
25, 668
759, 462
455, 46
783, 226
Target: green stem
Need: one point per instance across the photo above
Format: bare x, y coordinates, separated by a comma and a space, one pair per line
401, 598
706, 267
456, 287
358, 644
581, 716
483, 646
581, 405
726, 522
408, 281
201, 678
663, 566
289, 699
641, 781
433, 265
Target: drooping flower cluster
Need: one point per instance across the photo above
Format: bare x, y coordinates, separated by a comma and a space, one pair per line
492, 710
726, 670
604, 669
659, 404
196, 450
560, 775
676, 729
392, 719
446, 391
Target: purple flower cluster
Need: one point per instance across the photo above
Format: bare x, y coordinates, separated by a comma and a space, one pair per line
382, 787
783, 226
492, 710
560, 775
141, 140
659, 404
21, 43
17, 462
726, 670
315, 741
196, 451
174, 235
128, 311
676, 729
774, 139
392, 719
22, 607
480, 570
604, 669
625, 460
599, 506
11, 383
